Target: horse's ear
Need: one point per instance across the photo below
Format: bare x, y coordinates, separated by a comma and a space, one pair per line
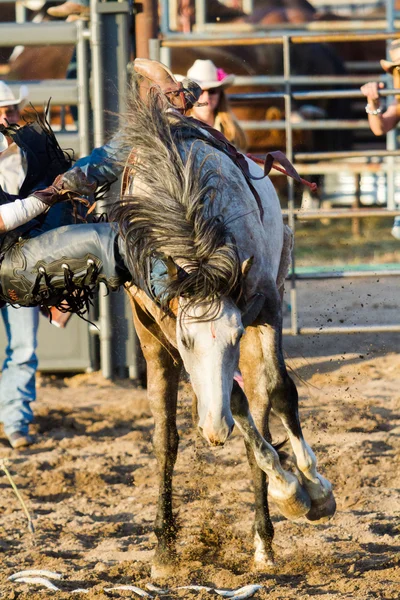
246, 266
172, 268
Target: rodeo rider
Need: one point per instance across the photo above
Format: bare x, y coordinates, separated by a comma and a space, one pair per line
45, 257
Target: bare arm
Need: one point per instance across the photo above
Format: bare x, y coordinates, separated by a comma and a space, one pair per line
382, 122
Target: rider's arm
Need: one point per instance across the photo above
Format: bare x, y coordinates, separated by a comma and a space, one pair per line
15, 212
106, 163
19, 212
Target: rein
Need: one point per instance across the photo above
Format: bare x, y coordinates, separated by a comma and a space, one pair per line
269, 162
240, 161
313, 186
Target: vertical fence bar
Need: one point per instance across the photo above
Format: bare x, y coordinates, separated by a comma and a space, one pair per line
165, 16
201, 14
154, 49
172, 15
391, 136
97, 74
98, 124
20, 12
83, 90
289, 153
124, 48
165, 56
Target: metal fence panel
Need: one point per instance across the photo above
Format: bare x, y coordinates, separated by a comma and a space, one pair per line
58, 349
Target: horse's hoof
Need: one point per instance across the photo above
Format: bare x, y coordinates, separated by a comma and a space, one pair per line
323, 504
263, 555
294, 506
160, 571
263, 565
322, 509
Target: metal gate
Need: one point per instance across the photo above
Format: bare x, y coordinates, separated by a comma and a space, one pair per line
215, 35
106, 39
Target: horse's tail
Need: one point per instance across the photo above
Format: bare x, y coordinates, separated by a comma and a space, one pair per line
169, 212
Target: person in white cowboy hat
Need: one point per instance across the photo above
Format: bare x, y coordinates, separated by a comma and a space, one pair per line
17, 383
215, 110
381, 121
12, 173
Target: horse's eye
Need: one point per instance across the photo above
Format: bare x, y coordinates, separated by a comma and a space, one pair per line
236, 337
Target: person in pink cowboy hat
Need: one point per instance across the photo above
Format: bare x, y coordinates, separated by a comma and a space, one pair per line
381, 121
215, 110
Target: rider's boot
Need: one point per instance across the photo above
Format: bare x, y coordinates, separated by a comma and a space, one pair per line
62, 267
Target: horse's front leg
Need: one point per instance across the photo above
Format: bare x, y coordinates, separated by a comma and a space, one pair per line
251, 359
162, 385
163, 371
290, 497
283, 396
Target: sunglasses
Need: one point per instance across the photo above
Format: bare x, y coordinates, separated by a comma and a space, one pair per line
212, 91
8, 111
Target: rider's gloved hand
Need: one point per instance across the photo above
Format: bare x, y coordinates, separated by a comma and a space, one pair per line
69, 186
192, 92
75, 179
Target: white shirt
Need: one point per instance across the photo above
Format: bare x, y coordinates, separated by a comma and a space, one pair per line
12, 169
12, 175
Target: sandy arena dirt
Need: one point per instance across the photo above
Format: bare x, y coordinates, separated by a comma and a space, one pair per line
90, 483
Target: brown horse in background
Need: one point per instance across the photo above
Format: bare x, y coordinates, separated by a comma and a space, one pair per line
32, 62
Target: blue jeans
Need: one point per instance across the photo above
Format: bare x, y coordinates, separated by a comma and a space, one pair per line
158, 276
17, 383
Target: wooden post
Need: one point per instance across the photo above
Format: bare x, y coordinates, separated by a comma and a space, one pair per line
146, 26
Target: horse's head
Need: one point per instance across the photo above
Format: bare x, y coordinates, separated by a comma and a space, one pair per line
208, 341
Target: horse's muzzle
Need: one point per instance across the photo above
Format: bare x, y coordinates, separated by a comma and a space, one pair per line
217, 435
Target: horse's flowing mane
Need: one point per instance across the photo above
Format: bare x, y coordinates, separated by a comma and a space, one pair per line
169, 214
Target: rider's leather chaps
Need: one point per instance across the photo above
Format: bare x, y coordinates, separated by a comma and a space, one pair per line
63, 266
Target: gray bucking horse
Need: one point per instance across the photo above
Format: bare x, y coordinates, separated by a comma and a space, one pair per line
217, 307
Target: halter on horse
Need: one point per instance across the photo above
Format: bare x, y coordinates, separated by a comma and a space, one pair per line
190, 205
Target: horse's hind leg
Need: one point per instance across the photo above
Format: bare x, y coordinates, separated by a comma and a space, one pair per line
163, 371
250, 356
283, 397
